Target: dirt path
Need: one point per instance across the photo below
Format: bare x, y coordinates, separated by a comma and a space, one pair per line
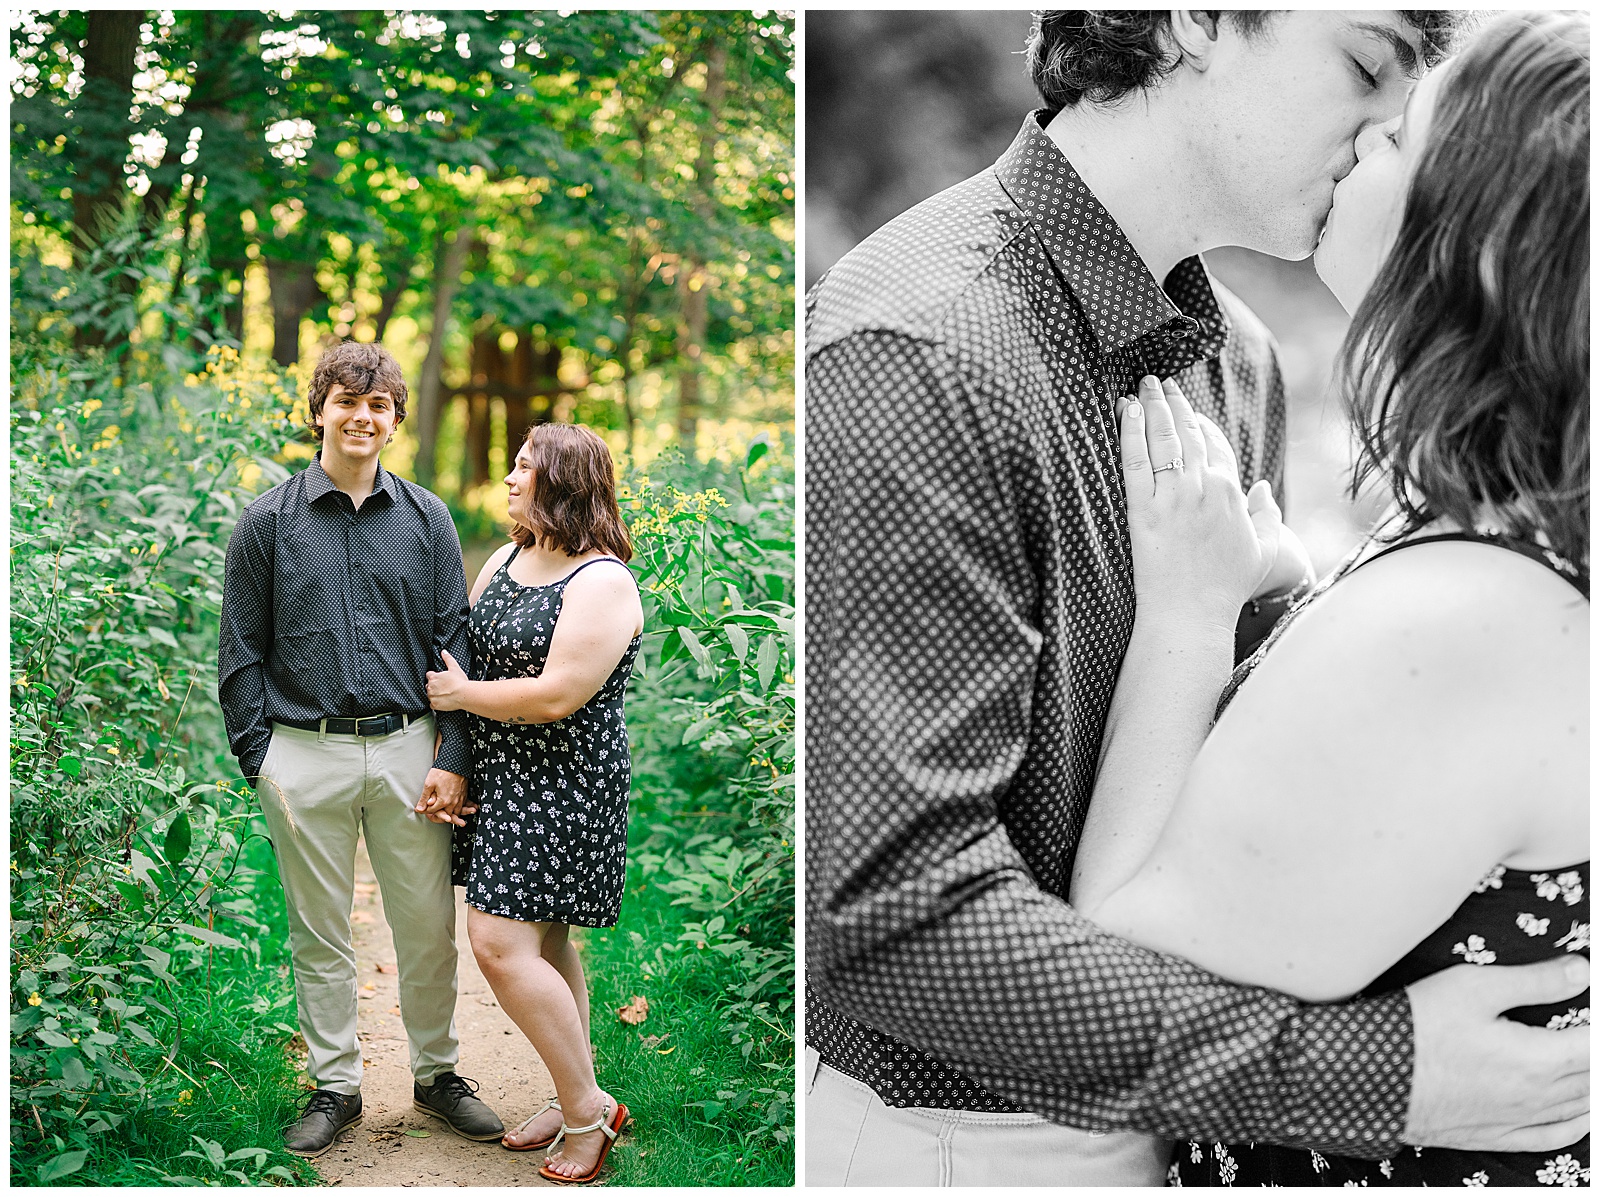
395, 1143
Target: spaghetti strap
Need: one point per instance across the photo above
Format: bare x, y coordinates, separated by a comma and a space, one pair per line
585, 566
1545, 557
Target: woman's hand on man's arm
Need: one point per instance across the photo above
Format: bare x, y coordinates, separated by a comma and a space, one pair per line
600, 615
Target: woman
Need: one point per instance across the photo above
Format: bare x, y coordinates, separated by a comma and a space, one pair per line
1402, 784
555, 627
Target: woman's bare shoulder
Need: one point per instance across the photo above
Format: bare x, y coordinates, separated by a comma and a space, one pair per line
1452, 603
1477, 654
603, 575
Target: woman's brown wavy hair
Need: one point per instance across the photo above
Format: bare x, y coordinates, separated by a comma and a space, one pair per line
1466, 367
574, 502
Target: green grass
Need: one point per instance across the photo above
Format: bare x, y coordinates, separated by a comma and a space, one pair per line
240, 1078
681, 1055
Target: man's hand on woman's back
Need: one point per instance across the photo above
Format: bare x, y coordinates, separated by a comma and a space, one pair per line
1482, 1082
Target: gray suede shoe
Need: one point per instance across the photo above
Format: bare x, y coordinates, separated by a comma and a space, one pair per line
450, 1097
326, 1114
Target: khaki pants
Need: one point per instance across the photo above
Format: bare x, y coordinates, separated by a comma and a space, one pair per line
317, 792
852, 1138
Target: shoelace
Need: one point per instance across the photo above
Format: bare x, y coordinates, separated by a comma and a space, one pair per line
456, 1086
322, 1102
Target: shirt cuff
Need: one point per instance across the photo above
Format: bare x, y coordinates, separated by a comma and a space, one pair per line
1347, 1077
455, 748
250, 764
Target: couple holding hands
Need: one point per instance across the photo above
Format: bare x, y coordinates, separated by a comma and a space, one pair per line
473, 739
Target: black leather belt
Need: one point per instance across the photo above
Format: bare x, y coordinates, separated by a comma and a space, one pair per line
367, 725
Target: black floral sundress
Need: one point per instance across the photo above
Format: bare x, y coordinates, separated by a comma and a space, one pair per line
549, 841
1511, 917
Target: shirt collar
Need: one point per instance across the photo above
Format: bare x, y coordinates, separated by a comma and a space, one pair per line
318, 484
1111, 283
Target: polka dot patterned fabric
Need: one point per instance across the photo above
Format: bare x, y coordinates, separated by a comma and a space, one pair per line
969, 600
549, 842
333, 611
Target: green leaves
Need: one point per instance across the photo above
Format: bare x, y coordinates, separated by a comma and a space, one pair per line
757, 450
179, 838
767, 661
696, 649
61, 1166
738, 639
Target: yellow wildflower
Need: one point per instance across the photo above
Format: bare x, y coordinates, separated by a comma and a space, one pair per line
34, 999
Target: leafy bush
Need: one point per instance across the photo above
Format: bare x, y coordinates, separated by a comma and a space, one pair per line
147, 1001
712, 703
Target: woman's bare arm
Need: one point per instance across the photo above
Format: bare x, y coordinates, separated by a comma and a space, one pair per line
600, 615
1426, 720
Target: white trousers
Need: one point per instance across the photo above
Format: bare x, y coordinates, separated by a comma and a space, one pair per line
852, 1138
317, 793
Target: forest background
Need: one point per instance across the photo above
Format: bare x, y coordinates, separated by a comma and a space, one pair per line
584, 216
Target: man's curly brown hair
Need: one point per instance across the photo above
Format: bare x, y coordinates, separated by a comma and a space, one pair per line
1101, 56
360, 367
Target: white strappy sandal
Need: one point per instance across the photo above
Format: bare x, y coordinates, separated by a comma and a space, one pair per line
552, 1104
611, 1122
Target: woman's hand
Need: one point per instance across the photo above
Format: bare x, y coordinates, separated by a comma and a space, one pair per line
1200, 546
447, 687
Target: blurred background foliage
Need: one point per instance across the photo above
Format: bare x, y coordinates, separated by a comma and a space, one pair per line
584, 216
581, 217
900, 105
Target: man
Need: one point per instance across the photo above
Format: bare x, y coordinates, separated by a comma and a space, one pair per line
969, 601
343, 586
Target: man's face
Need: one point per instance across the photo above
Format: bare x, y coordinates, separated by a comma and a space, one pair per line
355, 427
1275, 117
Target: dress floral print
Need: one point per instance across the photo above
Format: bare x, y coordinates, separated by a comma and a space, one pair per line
549, 840
1510, 917
1516, 920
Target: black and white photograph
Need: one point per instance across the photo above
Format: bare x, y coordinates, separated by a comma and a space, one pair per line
1196, 649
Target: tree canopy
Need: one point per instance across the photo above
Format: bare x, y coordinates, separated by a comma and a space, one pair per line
578, 215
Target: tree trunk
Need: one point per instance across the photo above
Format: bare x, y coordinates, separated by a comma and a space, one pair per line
489, 366
691, 338
388, 300
546, 381
693, 279
449, 259
101, 147
102, 107
476, 469
630, 321
519, 413
294, 293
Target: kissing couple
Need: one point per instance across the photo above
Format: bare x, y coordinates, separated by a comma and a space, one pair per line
472, 739
1134, 852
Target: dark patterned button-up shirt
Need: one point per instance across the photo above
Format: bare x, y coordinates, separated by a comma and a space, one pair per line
333, 611
969, 598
